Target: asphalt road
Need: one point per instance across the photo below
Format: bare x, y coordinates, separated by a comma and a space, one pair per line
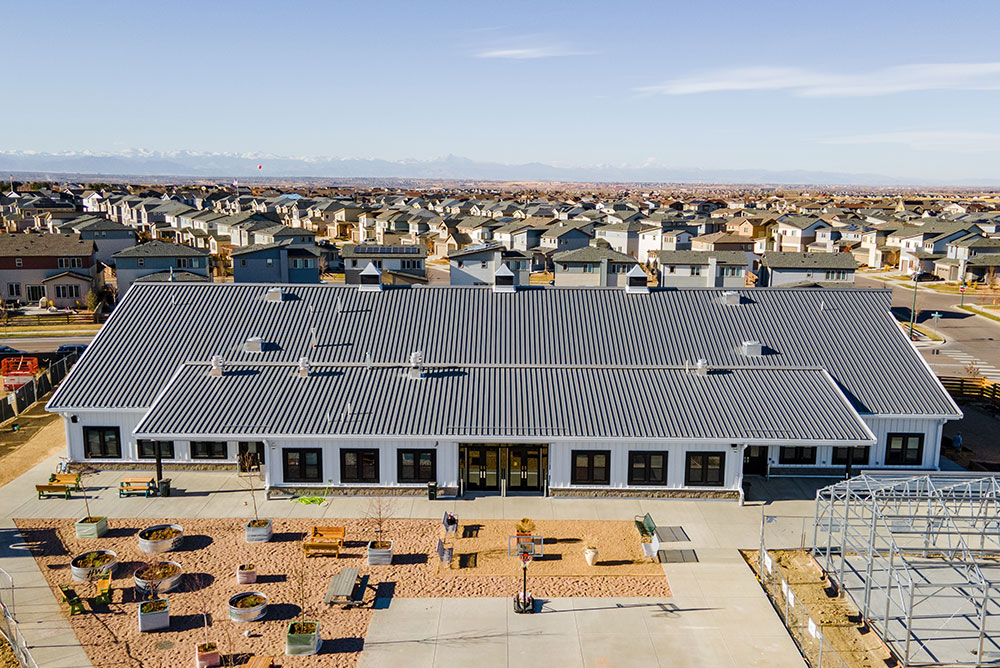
969, 338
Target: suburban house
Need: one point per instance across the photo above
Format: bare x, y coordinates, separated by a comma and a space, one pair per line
399, 265
958, 254
593, 266
793, 234
108, 236
61, 268
622, 237
706, 269
160, 261
805, 269
479, 264
281, 262
349, 389
722, 241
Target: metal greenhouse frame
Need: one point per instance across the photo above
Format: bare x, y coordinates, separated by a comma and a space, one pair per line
919, 555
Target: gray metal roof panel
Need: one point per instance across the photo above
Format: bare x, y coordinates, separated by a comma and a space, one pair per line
158, 327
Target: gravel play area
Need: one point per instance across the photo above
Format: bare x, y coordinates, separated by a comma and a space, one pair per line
212, 550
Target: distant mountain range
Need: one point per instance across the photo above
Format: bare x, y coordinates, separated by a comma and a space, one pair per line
233, 165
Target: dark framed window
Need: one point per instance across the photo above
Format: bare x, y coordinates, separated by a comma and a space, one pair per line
209, 449
147, 449
359, 465
416, 465
859, 455
797, 455
705, 469
102, 442
647, 468
302, 464
904, 449
591, 467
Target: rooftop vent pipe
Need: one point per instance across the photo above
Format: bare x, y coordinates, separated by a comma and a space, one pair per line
254, 344
731, 298
752, 349
636, 281
216, 366
370, 279
274, 295
303, 367
503, 279
416, 364
701, 367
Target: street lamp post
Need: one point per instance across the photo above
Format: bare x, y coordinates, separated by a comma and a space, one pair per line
913, 309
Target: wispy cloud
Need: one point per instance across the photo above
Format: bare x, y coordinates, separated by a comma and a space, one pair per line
958, 141
533, 52
809, 83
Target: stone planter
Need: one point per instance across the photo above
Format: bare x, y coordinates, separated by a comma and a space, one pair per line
590, 554
154, 620
248, 614
302, 644
246, 574
260, 534
207, 658
161, 585
91, 529
379, 556
154, 545
82, 573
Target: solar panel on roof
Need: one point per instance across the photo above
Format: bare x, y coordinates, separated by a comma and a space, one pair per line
386, 250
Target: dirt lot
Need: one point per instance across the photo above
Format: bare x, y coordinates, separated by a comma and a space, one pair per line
859, 647
213, 549
40, 435
7, 659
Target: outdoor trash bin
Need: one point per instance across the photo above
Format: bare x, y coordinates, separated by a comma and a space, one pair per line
432, 490
165, 487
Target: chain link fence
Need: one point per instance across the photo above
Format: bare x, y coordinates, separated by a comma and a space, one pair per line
21, 399
8, 625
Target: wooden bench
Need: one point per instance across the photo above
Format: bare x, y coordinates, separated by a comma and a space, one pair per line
103, 584
327, 548
327, 533
130, 488
342, 586
71, 480
646, 527
52, 490
260, 662
70, 598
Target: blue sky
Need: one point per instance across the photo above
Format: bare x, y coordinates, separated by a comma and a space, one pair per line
884, 86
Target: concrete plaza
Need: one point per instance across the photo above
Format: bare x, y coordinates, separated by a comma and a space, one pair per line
717, 614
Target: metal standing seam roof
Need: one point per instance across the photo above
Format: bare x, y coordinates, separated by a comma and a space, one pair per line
256, 400
158, 327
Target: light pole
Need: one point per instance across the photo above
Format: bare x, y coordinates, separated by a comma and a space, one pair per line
913, 309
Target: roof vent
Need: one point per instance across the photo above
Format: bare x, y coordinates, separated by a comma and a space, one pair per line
752, 349
254, 344
370, 279
731, 298
303, 367
216, 366
701, 367
416, 364
274, 295
636, 281
503, 279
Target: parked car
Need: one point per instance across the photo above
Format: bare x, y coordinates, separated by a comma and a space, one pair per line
68, 348
927, 276
7, 350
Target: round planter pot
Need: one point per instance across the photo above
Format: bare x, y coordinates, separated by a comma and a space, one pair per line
251, 614
260, 534
302, 644
91, 529
153, 545
590, 556
162, 585
380, 556
83, 573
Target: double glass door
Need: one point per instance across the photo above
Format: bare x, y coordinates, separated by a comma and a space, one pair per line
520, 466
524, 472
483, 468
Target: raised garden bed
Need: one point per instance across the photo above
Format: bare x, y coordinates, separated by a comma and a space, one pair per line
91, 527
259, 531
162, 577
249, 606
302, 639
154, 615
85, 565
161, 538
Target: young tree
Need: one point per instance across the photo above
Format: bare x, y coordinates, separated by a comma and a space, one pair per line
380, 511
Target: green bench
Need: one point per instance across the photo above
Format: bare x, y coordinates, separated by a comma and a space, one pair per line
128, 489
103, 584
45, 491
70, 598
646, 527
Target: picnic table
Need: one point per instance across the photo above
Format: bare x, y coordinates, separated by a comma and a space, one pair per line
342, 586
144, 485
323, 540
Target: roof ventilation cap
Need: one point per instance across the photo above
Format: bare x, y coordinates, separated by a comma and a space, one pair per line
416, 364
752, 348
731, 298
636, 281
216, 366
254, 344
503, 279
370, 279
701, 367
274, 295
303, 367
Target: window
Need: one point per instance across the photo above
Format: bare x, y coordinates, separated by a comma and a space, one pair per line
696, 270
183, 263
270, 261
483, 264
797, 455
647, 468
705, 469
904, 449
732, 271
35, 292
417, 466
243, 262
14, 290
67, 292
102, 442
588, 269
147, 449
359, 466
140, 262
859, 455
209, 450
836, 276
69, 262
590, 467
303, 464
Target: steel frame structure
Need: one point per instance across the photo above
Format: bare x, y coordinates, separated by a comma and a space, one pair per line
918, 555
